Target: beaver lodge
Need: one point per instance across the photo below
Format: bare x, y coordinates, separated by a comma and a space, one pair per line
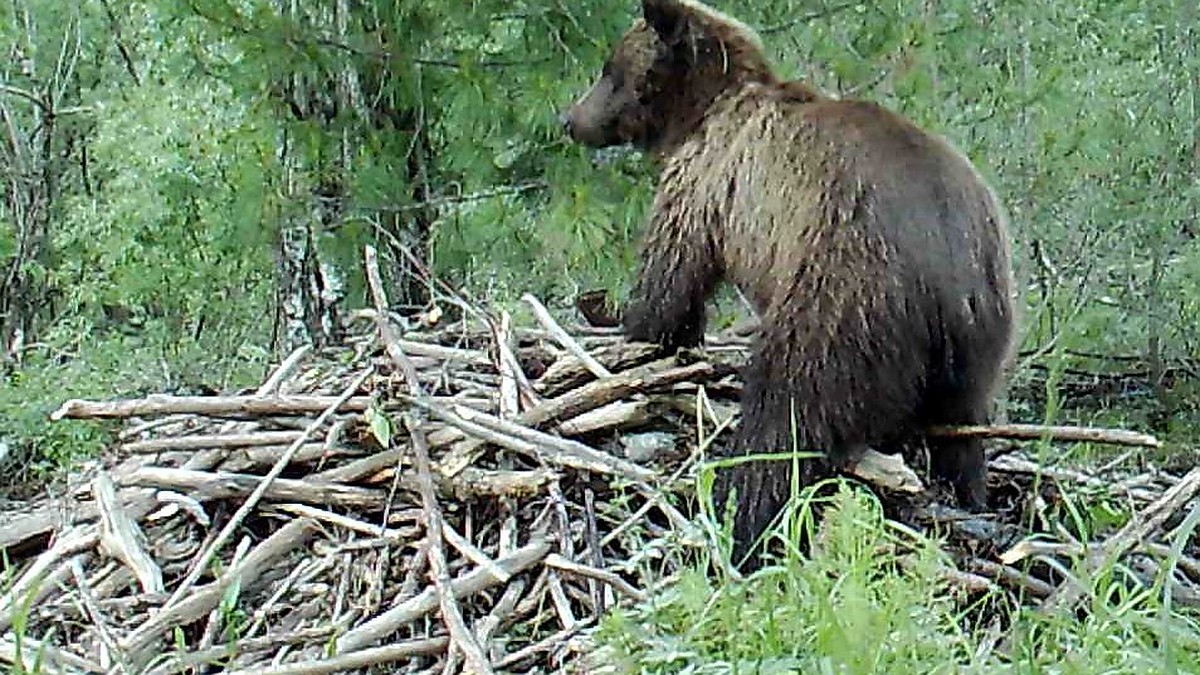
466, 495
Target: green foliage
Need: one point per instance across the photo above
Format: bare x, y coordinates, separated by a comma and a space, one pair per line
872, 598
161, 242
27, 660
233, 617
801, 615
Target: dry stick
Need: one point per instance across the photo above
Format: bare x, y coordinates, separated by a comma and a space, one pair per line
338, 614
91, 610
244, 510
162, 404
564, 519
271, 385
651, 377
535, 599
472, 553
654, 376
468, 481
509, 403
216, 617
1056, 433
1015, 464
52, 586
655, 498
550, 449
139, 429
203, 600
486, 626
562, 605
501, 483
121, 538
565, 451
360, 468
568, 342
227, 485
1137, 530
354, 661
545, 645
415, 568
1035, 548
395, 352
302, 573
345, 522
261, 457
451, 614
210, 441
591, 533
269, 388
75, 540
391, 342
589, 572
514, 386
443, 353
39, 522
440, 352
192, 660
611, 417
567, 373
968, 581
1049, 432
634, 518
425, 602
50, 519
51, 657
887, 471
1190, 566
1010, 576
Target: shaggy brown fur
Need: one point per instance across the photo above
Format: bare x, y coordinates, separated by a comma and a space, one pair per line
874, 253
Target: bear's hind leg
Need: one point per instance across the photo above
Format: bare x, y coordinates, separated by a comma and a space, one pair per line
960, 462
962, 397
839, 407
961, 394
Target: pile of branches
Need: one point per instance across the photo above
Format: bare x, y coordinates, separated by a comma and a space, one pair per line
462, 497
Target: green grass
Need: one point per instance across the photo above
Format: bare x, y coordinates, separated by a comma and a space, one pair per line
869, 598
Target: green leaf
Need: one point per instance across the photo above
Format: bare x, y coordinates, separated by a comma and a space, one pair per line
380, 424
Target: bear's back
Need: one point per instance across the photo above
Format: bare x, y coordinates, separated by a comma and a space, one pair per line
776, 175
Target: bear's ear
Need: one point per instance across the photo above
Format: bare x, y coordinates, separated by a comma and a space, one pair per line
668, 18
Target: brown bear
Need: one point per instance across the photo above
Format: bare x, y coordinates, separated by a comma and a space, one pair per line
874, 253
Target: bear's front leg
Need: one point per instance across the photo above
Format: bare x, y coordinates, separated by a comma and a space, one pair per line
667, 305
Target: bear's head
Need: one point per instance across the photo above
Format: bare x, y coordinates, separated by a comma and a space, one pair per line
667, 70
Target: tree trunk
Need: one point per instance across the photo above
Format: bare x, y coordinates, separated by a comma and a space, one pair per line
30, 173
308, 291
408, 244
